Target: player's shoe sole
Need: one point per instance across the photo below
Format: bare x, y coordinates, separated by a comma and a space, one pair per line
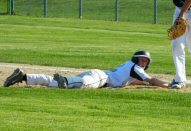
15, 77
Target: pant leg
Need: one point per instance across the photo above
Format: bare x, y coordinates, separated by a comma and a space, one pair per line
41, 79
75, 82
179, 61
178, 52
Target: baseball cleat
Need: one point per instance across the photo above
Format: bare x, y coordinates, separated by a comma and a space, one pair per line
15, 77
62, 81
177, 85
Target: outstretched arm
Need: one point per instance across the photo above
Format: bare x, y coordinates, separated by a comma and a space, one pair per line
185, 7
138, 82
157, 82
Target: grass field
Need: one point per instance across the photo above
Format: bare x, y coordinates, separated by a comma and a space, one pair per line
83, 43
100, 110
88, 44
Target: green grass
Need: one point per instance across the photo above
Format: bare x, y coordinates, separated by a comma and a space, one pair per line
88, 44
83, 43
104, 109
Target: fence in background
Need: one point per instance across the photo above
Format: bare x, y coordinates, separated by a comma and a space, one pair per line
151, 11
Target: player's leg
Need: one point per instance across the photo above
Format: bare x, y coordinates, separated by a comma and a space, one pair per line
31, 79
74, 82
89, 79
178, 52
68, 82
41, 79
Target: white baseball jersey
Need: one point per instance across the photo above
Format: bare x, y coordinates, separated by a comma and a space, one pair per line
125, 74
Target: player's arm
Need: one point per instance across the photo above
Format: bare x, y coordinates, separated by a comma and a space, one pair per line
139, 74
138, 82
185, 7
157, 82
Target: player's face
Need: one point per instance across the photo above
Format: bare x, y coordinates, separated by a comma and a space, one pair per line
142, 62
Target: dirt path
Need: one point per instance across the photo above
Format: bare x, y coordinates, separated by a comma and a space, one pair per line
7, 68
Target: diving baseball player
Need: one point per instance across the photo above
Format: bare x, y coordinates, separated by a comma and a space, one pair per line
132, 71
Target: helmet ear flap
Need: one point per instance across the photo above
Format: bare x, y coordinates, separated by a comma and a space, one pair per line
146, 67
135, 60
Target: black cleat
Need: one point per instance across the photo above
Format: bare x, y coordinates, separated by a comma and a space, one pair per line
15, 77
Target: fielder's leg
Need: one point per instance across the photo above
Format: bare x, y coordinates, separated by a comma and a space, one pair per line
178, 52
179, 60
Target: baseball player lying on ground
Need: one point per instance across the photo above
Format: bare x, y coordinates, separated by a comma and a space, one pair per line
131, 72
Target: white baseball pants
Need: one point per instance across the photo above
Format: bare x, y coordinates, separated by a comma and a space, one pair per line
41, 79
90, 79
178, 48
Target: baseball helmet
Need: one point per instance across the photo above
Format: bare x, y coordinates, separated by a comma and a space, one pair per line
141, 53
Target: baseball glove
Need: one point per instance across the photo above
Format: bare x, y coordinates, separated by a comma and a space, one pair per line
178, 28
